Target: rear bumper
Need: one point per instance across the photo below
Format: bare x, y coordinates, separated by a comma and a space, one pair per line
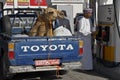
65, 66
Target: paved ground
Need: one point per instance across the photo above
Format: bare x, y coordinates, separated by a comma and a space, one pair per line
112, 72
100, 72
66, 75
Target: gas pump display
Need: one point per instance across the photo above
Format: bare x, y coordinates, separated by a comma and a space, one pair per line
106, 14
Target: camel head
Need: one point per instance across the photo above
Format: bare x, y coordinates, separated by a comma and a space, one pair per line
51, 14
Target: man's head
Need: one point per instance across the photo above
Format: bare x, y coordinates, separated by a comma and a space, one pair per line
64, 12
87, 12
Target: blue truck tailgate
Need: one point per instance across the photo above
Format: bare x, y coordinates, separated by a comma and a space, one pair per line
28, 50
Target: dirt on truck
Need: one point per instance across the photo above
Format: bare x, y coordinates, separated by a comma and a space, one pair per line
20, 52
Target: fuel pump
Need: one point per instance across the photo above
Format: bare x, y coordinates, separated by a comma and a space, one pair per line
103, 37
106, 37
103, 33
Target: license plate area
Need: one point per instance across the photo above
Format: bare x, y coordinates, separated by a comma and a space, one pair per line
47, 62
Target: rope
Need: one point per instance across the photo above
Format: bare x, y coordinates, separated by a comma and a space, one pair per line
58, 72
58, 67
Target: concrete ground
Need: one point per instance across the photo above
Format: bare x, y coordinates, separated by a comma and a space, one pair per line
111, 72
100, 72
66, 75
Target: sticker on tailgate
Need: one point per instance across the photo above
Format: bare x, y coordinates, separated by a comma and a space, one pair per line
47, 62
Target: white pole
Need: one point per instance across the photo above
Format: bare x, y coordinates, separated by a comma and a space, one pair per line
15, 3
86, 4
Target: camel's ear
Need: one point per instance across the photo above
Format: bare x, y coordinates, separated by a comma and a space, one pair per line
43, 10
38, 14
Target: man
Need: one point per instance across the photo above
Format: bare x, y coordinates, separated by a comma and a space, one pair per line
84, 31
63, 21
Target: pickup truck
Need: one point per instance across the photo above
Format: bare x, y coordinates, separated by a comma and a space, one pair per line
20, 53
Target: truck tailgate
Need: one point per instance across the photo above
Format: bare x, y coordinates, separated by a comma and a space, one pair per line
27, 51
43, 49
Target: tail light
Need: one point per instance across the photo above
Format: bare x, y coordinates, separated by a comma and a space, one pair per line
81, 47
11, 46
11, 54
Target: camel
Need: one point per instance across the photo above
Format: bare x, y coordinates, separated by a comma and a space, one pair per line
43, 24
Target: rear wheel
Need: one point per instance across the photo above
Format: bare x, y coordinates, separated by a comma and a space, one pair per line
3, 69
2, 74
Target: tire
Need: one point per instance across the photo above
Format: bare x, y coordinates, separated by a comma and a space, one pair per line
1, 67
6, 25
4, 73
